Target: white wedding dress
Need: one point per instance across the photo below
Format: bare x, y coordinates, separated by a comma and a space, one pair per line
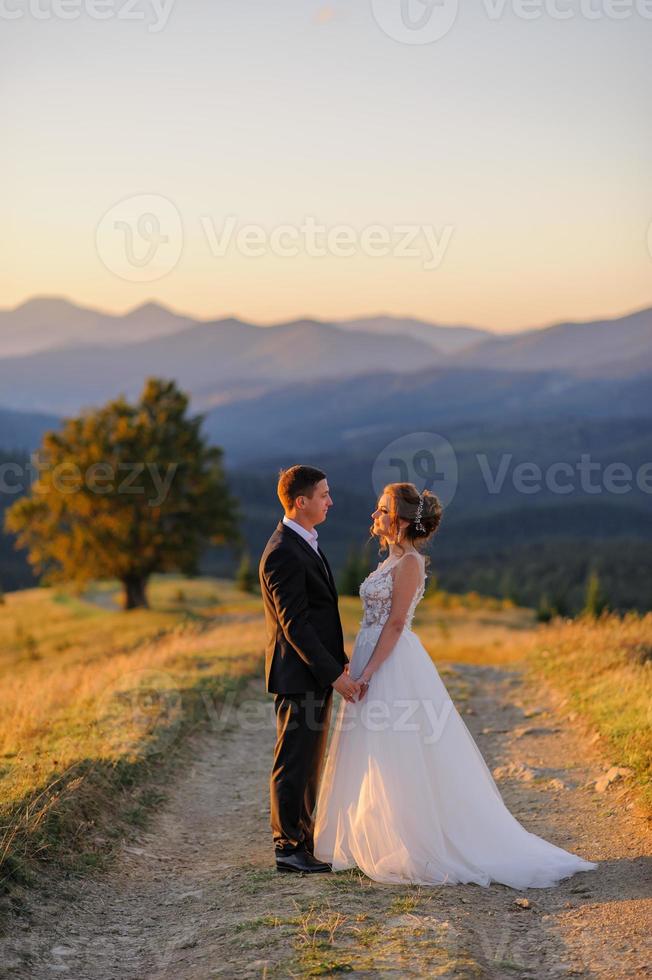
406, 795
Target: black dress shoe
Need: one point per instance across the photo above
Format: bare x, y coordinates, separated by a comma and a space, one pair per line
302, 862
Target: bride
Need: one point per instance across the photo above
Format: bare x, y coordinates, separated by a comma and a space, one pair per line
406, 795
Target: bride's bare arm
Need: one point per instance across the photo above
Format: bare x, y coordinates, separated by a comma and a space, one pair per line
407, 578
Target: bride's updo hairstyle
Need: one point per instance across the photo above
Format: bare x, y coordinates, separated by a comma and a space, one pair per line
404, 505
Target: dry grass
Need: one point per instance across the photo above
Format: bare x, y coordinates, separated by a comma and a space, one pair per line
95, 699
604, 666
334, 936
464, 629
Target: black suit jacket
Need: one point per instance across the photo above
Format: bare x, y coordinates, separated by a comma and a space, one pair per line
305, 646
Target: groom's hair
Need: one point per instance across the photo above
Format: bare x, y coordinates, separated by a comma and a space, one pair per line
297, 481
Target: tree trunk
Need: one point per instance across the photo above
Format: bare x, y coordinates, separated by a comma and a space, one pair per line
135, 595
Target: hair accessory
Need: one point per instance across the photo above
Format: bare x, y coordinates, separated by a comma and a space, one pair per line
417, 520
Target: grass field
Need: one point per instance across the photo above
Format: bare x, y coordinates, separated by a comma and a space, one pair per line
604, 666
96, 701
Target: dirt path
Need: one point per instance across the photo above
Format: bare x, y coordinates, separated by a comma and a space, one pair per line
196, 896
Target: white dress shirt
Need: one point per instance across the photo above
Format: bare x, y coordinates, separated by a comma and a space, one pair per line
309, 536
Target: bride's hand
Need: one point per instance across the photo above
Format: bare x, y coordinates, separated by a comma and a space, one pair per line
363, 680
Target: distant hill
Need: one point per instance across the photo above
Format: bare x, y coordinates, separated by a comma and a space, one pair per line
501, 543
622, 345
546, 442
368, 410
335, 394
51, 322
505, 542
446, 339
230, 360
23, 431
208, 360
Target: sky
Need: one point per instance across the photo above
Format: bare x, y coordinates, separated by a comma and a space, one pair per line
486, 164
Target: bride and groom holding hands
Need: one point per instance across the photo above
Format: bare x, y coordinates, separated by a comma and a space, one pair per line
403, 793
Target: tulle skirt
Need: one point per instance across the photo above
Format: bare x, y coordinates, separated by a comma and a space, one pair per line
406, 795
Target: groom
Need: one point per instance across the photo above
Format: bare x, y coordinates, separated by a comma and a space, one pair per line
304, 661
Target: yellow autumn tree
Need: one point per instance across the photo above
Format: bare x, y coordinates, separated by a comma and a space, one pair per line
124, 491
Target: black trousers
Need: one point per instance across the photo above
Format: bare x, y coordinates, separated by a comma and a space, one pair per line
302, 724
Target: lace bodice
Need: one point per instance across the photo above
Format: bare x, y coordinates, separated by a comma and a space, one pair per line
376, 594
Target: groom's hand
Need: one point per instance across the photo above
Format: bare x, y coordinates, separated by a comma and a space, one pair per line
348, 688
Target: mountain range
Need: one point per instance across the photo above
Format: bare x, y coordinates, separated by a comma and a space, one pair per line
355, 413
48, 322
56, 357
337, 393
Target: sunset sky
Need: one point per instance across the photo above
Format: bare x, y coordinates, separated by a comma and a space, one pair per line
523, 146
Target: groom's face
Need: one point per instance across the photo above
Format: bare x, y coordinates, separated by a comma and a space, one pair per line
315, 508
